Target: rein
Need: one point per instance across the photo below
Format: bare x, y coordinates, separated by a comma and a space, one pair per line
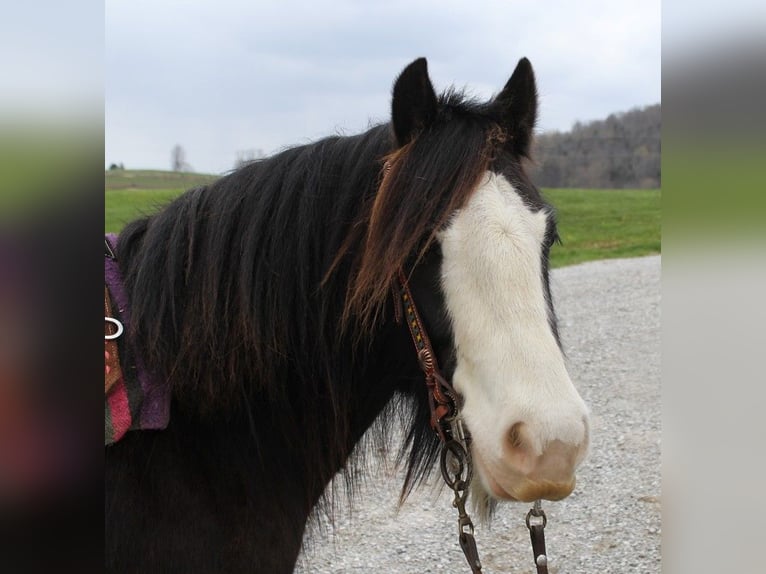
455, 459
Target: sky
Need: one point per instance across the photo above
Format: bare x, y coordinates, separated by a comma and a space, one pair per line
227, 76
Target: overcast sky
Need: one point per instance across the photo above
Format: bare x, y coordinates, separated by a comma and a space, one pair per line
218, 77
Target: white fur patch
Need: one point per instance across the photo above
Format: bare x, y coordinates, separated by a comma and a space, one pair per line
509, 366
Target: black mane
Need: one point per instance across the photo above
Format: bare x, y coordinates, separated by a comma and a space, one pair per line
239, 297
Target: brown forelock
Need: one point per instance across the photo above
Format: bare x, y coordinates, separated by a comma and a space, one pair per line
423, 184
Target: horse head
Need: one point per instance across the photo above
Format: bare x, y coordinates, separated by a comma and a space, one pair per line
482, 284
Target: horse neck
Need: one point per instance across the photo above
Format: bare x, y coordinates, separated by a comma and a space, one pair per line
287, 406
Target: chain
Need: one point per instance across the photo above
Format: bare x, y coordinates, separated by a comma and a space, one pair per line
457, 471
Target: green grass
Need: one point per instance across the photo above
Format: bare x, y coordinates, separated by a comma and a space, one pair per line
605, 224
123, 206
593, 223
132, 193
152, 179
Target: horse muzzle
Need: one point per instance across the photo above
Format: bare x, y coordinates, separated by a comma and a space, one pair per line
523, 475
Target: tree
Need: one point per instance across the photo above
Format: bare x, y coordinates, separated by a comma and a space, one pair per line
178, 159
248, 156
621, 151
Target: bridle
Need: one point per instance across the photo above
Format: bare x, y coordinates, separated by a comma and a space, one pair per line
455, 459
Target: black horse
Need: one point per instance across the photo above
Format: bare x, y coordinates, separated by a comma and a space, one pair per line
265, 301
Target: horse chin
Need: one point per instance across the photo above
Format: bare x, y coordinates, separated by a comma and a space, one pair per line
488, 490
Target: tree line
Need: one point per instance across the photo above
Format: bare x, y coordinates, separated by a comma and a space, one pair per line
622, 151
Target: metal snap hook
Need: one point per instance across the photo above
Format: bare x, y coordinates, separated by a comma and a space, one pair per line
537, 512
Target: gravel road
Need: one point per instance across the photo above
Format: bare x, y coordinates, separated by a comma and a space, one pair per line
609, 316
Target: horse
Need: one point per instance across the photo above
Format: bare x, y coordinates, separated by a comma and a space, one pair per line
264, 302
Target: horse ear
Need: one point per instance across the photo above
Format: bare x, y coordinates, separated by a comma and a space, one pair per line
517, 107
413, 106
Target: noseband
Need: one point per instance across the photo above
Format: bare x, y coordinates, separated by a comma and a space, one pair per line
455, 459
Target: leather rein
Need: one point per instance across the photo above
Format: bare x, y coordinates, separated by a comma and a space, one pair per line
455, 459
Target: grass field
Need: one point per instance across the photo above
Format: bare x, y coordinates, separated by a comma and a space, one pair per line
593, 223
150, 179
124, 205
605, 224
133, 193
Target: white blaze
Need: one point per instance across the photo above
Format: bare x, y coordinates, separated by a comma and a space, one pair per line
509, 366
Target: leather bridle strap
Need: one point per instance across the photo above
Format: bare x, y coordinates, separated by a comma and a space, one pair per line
442, 398
455, 457
536, 521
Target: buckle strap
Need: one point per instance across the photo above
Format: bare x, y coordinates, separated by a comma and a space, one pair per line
442, 398
536, 521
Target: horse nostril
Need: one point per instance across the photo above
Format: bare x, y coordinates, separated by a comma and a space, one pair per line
519, 449
514, 436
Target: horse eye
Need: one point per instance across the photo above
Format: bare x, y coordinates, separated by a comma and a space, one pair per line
550, 239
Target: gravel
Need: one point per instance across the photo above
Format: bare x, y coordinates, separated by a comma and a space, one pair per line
609, 317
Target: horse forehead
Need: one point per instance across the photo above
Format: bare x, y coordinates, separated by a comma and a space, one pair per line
493, 260
498, 216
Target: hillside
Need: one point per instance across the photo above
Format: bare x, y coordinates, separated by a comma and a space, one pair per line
622, 151
151, 179
619, 152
